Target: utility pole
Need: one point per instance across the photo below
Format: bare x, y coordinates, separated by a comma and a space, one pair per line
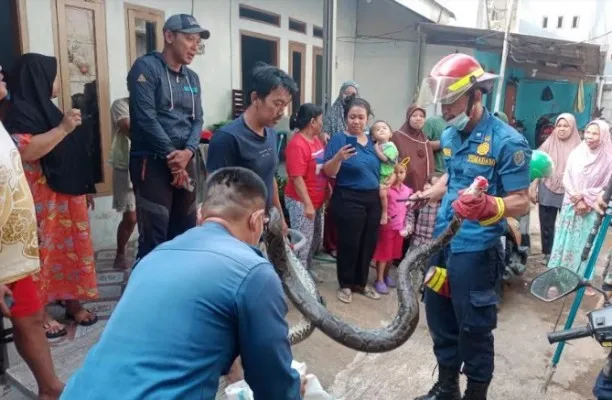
329, 47
486, 6
502, 70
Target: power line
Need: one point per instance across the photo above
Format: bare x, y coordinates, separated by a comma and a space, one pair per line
589, 39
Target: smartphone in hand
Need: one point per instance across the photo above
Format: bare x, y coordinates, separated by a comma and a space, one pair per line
352, 140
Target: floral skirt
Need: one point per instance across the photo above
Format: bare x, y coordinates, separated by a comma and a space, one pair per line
571, 234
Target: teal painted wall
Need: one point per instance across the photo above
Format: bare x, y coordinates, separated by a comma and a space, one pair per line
529, 105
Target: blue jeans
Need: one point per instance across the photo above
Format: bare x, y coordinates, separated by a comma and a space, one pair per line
461, 326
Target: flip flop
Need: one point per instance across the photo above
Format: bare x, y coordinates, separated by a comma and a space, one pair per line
86, 322
368, 292
54, 335
345, 295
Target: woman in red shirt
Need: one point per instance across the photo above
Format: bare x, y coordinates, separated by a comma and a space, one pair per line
307, 187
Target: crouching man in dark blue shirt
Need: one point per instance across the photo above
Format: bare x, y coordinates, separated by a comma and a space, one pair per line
177, 330
166, 120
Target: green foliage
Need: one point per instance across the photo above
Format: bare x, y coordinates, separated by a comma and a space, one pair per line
219, 124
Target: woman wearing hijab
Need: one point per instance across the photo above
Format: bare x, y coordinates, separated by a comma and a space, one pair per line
334, 118
548, 192
56, 154
333, 123
587, 172
412, 142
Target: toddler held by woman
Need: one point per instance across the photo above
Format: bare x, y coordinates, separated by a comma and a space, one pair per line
391, 235
387, 153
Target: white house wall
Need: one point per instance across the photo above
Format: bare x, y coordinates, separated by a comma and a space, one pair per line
219, 68
386, 58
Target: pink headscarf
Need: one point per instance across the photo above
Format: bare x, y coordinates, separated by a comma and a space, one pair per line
560, 150
588, 171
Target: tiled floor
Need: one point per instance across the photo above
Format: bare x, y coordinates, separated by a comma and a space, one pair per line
68, 351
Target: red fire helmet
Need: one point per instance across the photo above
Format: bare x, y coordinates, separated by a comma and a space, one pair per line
453, 76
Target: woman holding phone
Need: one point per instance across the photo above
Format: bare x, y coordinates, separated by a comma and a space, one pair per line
351, 159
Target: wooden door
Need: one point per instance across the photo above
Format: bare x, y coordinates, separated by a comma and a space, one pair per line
297, 71
510, 101
82, 55
144, 30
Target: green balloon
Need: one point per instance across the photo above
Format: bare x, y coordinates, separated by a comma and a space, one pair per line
541, 165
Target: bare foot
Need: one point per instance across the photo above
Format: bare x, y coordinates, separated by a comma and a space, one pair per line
52, 393
121, 262
80, 315
384, 218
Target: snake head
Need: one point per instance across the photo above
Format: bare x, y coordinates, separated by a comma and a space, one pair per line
275, 242
275, 226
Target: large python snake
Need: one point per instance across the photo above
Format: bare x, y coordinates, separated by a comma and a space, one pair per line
301, 291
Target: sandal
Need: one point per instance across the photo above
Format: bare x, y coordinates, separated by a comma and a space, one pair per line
48, 326
87, 321
368, 292
345, 295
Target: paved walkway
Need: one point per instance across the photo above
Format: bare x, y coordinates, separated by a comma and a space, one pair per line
522, 351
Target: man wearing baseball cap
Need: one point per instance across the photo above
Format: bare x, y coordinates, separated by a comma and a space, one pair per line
166, 120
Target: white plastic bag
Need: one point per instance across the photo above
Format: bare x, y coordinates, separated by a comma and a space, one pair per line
239, 391
314, 391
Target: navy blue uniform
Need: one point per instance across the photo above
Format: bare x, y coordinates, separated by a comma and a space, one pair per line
462, 326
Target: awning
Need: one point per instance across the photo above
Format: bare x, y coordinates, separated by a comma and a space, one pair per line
547, 56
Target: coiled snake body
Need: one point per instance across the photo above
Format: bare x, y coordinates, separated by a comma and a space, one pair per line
301, 290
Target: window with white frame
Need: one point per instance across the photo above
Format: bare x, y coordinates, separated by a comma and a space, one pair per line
559, 22
544, 22
575, 22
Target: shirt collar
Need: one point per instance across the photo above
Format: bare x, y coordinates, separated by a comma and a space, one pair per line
479, 132
215, 226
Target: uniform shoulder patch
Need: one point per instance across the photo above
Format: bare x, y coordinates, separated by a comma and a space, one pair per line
141, 78
447, 152
519, 158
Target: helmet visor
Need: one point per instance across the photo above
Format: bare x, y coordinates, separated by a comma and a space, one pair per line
442, 90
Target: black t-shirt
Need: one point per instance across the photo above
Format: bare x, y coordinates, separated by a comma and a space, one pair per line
237, 145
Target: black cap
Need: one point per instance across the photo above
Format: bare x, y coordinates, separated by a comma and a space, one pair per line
185, 23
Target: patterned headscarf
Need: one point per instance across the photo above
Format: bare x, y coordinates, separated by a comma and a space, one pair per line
334, 118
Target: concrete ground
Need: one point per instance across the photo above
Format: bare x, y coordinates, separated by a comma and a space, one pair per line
522, 351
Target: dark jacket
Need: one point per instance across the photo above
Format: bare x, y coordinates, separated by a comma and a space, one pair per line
165, 107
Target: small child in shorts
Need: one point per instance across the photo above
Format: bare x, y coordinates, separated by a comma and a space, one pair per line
387, 153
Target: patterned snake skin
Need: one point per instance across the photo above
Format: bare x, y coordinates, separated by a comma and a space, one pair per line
302, 292
290, 269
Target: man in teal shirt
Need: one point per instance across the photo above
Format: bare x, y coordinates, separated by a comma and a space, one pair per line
193, 305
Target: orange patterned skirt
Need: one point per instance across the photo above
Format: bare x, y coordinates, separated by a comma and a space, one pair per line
66, 251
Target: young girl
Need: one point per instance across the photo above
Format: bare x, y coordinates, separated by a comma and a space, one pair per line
387, 153
390, 239
426, 221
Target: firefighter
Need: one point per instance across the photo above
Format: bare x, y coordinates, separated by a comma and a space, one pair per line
461, 313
